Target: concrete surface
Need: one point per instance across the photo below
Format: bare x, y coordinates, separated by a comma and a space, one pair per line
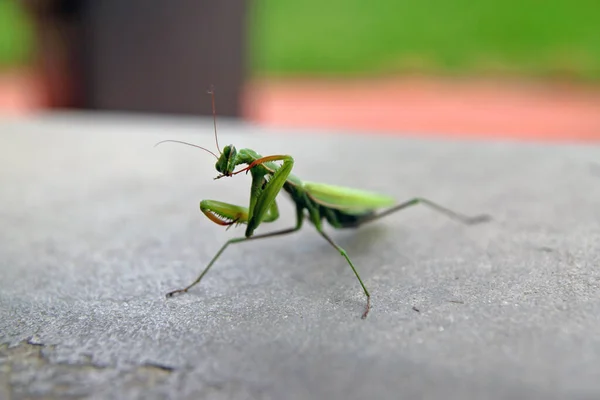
97, 225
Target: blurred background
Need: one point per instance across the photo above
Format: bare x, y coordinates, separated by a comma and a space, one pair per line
519, 69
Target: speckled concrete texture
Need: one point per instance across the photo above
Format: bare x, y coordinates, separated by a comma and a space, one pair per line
96, 225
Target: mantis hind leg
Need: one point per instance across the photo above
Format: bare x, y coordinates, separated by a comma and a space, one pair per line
318, 226
465, 219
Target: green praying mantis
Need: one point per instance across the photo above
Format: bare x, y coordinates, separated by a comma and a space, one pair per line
341, 207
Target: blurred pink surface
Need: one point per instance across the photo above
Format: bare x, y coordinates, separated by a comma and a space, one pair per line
20, 93
465, 108
425, 106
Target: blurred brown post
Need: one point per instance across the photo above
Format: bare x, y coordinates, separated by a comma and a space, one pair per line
57, 25
156, 56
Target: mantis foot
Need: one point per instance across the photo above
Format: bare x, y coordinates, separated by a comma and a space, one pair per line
174, 292
368, 308
479, 219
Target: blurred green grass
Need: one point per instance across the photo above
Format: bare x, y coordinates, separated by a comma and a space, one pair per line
531, 37
16, 37
346, 37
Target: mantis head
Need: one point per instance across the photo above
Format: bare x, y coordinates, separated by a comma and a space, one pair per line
227, 161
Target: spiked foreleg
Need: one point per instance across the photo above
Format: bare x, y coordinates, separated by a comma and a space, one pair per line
228, 214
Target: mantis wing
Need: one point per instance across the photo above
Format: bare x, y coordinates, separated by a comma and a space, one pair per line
347, 199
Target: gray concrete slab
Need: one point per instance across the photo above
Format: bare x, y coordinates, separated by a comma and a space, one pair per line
97, 225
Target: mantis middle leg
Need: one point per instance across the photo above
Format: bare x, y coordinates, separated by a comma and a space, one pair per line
299, 221
263, 208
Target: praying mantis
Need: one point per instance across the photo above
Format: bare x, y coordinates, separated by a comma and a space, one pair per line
341, 207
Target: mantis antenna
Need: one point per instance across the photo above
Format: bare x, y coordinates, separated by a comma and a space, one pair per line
189, 144
211, 91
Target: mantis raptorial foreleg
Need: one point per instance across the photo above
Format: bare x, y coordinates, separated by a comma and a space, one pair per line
260, 203
228, 214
